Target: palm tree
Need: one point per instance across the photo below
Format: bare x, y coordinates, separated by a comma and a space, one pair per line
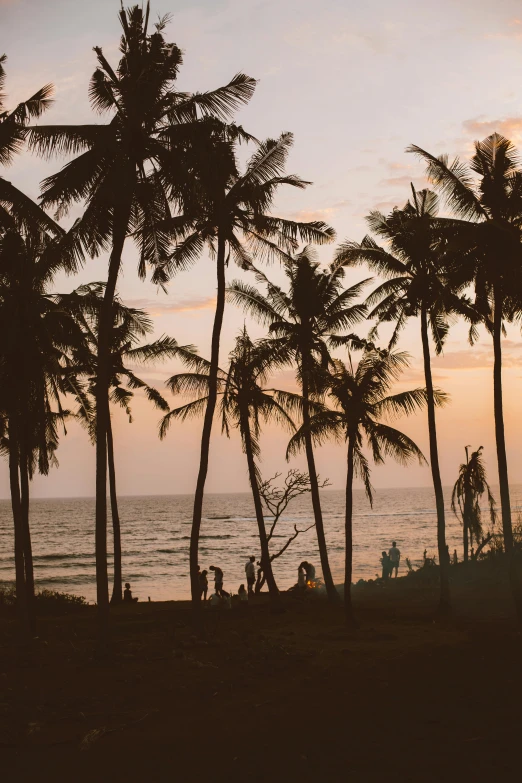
303, 321
361, 401
416, 285
231, 217
17, 211
465, 498
244, 401
129, 327
486, 233
127, 172
37, 337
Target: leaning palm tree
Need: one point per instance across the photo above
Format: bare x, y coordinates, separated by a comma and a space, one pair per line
416, 285
465, 499
485, 196
244, 402
231, 217
361, 400
128, 173
17, 211
303, 320
129, 327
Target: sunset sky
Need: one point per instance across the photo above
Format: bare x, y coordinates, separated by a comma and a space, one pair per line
356, 83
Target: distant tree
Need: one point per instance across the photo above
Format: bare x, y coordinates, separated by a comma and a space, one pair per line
303, 320
468, 490
244, 401
361, 399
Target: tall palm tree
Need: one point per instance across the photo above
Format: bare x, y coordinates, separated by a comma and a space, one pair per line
127, 173
37, 338
244, 402
416, 285
485, 197
465, 498
17, 211
303, 320
231, 217
361, 400
129, 327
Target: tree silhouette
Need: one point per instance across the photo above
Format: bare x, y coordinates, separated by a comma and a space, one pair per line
232, 217
485, 197
129, 327
244, 403
302, 320
36, 341
416, 285
465, 498
361, 400
127, 172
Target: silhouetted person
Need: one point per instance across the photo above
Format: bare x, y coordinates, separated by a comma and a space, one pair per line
301, 577
395, 559
260, 578
386, 566
309, 570
243, 595
203, 583
127, 594
250, 571
218, 580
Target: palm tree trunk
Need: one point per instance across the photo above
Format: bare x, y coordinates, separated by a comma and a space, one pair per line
513, 554
26, 532
266, 563
117, 587
331, 590
445, 601
16, 505
207, 429
499, 424
121, 220
465, 523
348, 532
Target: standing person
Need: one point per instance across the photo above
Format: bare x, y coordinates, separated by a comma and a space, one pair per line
386, 566
218, 580
260, 578
203, 581
301, 577
250, 571
395, 559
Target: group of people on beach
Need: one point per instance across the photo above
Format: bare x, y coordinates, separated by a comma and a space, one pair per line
254, 581
390, 562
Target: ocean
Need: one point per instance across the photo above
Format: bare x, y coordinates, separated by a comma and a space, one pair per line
156, 532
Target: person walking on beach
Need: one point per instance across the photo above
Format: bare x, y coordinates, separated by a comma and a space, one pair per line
395, 559
218, 580
386, 566
250, 571
203, 583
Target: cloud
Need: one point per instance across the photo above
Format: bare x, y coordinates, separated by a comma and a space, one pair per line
156, 307
480, 127
480, 357
325, 214
514, 32
404, 181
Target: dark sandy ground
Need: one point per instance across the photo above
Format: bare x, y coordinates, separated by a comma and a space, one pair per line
292, 697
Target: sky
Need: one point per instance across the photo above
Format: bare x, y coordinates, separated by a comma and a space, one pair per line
356, 83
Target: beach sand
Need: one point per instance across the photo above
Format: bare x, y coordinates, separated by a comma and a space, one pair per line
291, 697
